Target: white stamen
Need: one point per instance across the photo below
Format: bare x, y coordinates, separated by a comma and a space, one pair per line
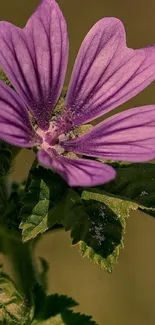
143, 193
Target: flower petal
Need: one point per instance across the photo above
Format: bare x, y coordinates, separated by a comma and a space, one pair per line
78, 172
127, 136
15, 126
107, 73
35, 58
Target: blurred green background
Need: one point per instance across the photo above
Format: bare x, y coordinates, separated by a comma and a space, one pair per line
128, 295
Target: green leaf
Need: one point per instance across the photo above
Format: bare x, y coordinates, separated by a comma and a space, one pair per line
107, 225
70, 318
106, 237
97, 219
96, 228
133, 188
13, 309
63, 212
55, 310
98, 238
55, 304
43, 191
67, 318
135, 182
119, 206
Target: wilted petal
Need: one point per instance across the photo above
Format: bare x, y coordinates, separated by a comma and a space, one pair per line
35, 58
15, 126
107, 73
127, 136
78, 172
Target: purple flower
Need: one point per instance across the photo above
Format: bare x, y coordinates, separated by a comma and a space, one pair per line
106, 74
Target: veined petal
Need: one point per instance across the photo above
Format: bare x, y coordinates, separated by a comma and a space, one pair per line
107, 73
78, 172
127, 136
35, 58
15, 126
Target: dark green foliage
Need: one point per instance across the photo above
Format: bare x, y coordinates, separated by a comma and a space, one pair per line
135, 182
55, 311
13, 309
49, 201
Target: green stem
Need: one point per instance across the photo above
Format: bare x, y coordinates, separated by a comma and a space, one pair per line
21, 258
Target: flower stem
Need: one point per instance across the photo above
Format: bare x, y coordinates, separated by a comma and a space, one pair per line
21, 260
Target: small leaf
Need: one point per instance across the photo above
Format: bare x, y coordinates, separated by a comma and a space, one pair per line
96, 220
13, 309
43, 191
106, 233
107, 226
55, 310
135, 182
98, 237
119, 206
70, 318
55, 304
67, 317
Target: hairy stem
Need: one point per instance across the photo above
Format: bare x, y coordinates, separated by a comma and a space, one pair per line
23, 269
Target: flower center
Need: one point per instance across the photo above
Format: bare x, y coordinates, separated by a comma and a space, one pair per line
51, 138
60, 129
